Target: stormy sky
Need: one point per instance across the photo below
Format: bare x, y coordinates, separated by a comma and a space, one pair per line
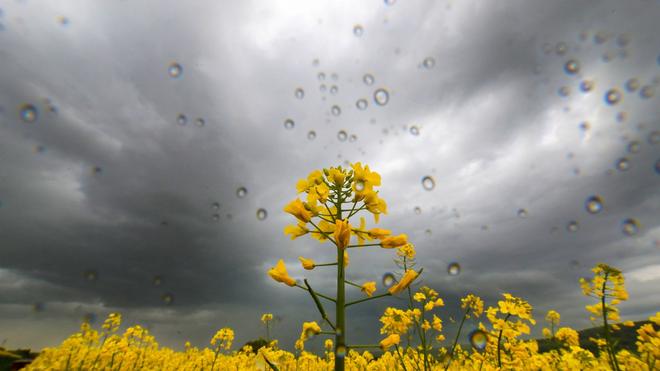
127, 129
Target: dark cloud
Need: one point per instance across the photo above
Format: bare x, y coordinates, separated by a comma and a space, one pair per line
107, 202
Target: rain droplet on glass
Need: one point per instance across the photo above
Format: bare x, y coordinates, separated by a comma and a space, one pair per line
478, 339
586, 86
361, 104
632, 85
634, 146
358, 30
321, 76
623, 164
561, 48
289, 124
388, 280
167, 298
428, 62
381, 97
572, 66
630, 227
200, 123
418, 210
428, 183
299, 93
654, 137
647, 91
612, 97
262, 214
311, 135
594, 204
335, 110
241, 192
174, 70
572, 226
522, 213
215, 206
181, 119
454, 269
564, 91
341, 135
28, 113
334, 89
352, 138
368, 79
414, 130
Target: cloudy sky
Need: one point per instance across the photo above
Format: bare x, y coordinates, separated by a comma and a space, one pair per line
114, 196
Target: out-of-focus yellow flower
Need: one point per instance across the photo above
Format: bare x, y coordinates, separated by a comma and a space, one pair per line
547, 333
223, 338
553, 317
394, 241
308, 264
628, 323
374, 204
279, 274
296, 230
297, 209
568, 336
336, 176
419, 297
328, 344
368, 288
266, 317
309, 329
474, 303
379, 233
407, 250
405, 281
437, 323
389, 341
112, 323
396, 321
342, 233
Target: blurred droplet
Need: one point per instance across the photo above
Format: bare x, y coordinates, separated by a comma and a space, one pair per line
200, 123
311, 135
323, 88
564, 91
418, 210
572, 67
334, 76
64, 21
584, 126
167, 298
216, 217
632, 85
428, 232
654, 137
341, 349
334, 89
390, 2
623, 39
621, 116
428, 62
38, 307
388, 280
174, 70
289, 124
647, 91
359, 186
623, 164
428, 183
335, 110
612, 97
634, 146
241, 192
630, 227
522, 213
28, 113
299, 93
414, 130
361, 104
594, 204
352, 138
368, 79
586, 86
454, 269
600, 37
91, 275
321, 76
341, 135
657, 166
561, 48
572, 226
478, 339
381, 97
97, 170
181, 119
39, 148
215, 206
262, 214
358, 30
157, 280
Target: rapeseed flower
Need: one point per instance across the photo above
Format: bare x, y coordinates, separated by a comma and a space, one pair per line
279, 274
308, 264
408, 277
369, 288
297, 209
394, 241
389, 341
342, 233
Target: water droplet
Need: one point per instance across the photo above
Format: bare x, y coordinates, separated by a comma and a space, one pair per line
623, 39
97, 170
623, 164
289, 124
584, 126
561, 48
181, 119
594, 204
368, 79
572, 67
654, 137
340, 352
341, 135
572, 226
586, 86
323, 88
91, 275
334, 77
428, 232
428, 182
428, 62
174, 70
634, 146
381, 97
612, 97
64, 21
321, 76
352, 138
334, 89
358, 30
522, 213
167, 298
28, 113
454, 269
418, 210
215, 206
478, 339
630, 227
621, 116
388, 280
564, 91
39, 149
38, 307
414, 130
600, 37
262, 214
359, 186
632, 85
299, 93
157, 280
311, 135
390, 2
216, 217
335, 110
241, 192
647, 91
361, 104
200, 123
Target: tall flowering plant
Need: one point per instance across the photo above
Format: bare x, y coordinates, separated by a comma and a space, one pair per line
332, 197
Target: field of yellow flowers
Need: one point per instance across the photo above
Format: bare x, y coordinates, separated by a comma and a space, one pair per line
333, 196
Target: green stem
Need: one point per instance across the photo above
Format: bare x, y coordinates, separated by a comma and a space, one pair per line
324, 264
453, 347
319, 306
367, 299
363, 346
499, 344
363, 245
353, 284
418, 327
610, 349
319, 295
340, 338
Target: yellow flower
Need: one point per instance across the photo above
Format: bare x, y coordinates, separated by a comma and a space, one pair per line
379, 233
266, 317
279, 274
546, 332
568, 336
346, 259
369, 288
386, 343
336, 176
364, 179
406, 280
474, 303
309, 329
297, 209
342, 233
437, 323
407, 250
296, 230
394, 241
552, 317
629, 323
308, 264
223, 338
374, 204
419, 297
396, 321
328, 344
